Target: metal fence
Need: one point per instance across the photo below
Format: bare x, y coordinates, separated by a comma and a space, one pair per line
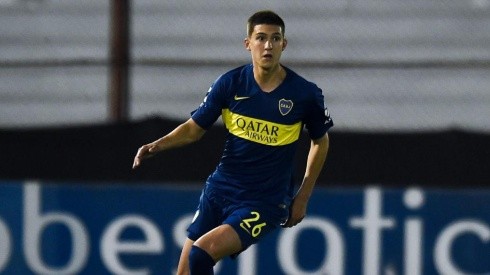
384, 65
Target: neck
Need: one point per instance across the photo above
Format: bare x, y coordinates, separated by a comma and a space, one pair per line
269, 79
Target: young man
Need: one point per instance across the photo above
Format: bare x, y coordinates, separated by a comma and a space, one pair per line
264, 106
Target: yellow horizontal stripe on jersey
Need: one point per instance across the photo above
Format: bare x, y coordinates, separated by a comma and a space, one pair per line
260, 131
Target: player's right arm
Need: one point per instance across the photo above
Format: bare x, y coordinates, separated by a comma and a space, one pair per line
185, 133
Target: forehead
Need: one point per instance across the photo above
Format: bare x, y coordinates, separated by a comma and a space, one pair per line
267, 29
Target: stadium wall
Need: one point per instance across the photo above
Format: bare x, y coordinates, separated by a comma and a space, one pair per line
448, 159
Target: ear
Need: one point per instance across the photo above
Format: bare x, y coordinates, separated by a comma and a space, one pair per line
284, 44
246, 43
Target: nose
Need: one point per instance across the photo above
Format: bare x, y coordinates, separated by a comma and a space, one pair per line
268, 44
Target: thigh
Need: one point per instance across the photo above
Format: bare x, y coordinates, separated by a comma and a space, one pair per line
220, 242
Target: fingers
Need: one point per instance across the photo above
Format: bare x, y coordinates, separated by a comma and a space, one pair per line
144, 151
137, 159
136, 162
292, 222
297, 212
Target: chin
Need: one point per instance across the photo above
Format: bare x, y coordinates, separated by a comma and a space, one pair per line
268, 64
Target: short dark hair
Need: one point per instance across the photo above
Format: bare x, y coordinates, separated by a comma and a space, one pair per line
264, 17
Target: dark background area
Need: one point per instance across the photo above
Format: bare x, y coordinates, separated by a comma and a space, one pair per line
105, 152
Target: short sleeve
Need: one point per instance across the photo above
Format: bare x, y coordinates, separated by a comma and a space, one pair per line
318, 120
210, 108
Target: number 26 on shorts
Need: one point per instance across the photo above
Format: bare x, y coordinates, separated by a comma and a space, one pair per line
251, 226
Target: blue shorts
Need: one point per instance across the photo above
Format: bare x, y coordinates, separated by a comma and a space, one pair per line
251, 220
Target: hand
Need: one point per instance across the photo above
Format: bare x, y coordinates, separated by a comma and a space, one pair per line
144, 152
297, 211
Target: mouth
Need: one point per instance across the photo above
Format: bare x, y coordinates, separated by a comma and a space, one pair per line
267, 56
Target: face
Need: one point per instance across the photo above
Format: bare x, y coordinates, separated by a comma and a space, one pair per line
266, 44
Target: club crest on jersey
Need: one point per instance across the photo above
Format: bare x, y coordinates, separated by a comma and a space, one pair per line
285, 106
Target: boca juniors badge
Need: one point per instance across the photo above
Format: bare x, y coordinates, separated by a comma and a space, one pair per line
285, 106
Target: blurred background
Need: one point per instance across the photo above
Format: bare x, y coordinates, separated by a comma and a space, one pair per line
83, 84
407, 83
385, 65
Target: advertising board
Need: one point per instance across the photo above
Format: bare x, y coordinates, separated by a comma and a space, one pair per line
112, 228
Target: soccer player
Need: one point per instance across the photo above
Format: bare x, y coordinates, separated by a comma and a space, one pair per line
264, 106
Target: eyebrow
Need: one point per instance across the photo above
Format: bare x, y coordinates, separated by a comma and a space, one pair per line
263, 33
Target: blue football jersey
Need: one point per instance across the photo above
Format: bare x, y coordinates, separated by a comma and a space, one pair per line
263, 132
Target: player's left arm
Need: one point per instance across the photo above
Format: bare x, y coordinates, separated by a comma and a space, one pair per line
315, 161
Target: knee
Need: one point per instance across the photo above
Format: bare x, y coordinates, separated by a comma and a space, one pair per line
200, 262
